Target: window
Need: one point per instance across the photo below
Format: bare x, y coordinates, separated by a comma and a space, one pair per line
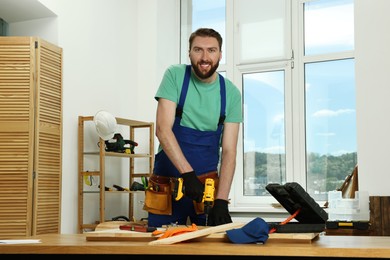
294, 64
263, 126
330, 119
202, 13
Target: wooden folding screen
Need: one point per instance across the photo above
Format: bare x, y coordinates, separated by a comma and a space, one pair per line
30, 136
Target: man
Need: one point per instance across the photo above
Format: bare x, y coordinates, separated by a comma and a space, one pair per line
198, 113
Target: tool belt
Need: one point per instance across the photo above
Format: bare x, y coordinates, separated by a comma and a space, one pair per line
158, 195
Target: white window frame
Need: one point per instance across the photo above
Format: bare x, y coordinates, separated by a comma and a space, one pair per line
239, 202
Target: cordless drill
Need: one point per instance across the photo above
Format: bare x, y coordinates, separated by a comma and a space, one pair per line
208, 194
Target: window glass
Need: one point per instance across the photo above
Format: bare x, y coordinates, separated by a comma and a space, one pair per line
261, 30
264, 140
330, 114
329, 26
203, 13
330, 125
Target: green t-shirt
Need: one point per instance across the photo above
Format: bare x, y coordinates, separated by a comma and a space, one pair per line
202, 106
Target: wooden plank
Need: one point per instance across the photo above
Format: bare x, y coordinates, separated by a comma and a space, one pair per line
196, 234
274, 237
109, 225
123, 235
109, 231
119, 235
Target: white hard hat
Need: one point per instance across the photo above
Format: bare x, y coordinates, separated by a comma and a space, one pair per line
105, 124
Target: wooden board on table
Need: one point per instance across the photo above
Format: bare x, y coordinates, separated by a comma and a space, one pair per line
274, 237
218, 234
115, 224
110, 232
196, 234
119, 235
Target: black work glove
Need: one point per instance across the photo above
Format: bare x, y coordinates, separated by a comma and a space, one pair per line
219, 214
193, 187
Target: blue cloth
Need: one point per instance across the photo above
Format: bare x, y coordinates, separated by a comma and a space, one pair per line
256, 231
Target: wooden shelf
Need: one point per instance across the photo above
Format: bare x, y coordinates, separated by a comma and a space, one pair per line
114, 154
100, 159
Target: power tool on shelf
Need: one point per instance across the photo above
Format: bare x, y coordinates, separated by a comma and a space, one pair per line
208, 194
119, 144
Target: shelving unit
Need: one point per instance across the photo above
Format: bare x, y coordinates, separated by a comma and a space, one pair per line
99, 156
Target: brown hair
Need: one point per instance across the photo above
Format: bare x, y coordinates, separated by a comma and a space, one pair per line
206, 32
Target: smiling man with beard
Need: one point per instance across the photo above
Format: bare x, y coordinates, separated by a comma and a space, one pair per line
197, 124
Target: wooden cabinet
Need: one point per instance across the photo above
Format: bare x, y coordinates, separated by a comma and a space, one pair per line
379, 216
95, 168
30, 137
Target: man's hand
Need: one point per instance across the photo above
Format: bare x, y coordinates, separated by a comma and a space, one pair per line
219, 214
193, 187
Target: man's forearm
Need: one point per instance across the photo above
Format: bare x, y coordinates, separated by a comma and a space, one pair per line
228, 165
173, 151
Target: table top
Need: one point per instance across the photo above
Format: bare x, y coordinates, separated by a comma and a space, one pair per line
321, 246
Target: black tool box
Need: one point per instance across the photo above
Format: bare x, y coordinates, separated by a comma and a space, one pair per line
291, 195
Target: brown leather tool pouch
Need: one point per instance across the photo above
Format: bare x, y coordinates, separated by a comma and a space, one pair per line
158, 195
199, 207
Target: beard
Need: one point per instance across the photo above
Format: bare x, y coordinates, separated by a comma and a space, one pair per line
204, 75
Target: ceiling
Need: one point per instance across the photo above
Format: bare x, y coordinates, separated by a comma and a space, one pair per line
13, 11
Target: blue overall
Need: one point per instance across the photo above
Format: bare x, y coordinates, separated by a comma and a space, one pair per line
201, 148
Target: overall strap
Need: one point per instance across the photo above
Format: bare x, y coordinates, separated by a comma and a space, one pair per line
183, 94
223, 100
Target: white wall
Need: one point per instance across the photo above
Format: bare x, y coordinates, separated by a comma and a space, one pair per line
45, 28
372, 41
114, 55
115, 52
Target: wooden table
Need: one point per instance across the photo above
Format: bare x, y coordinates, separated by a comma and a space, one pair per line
323, 246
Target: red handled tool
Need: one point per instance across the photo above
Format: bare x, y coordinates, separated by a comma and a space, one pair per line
137, 228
